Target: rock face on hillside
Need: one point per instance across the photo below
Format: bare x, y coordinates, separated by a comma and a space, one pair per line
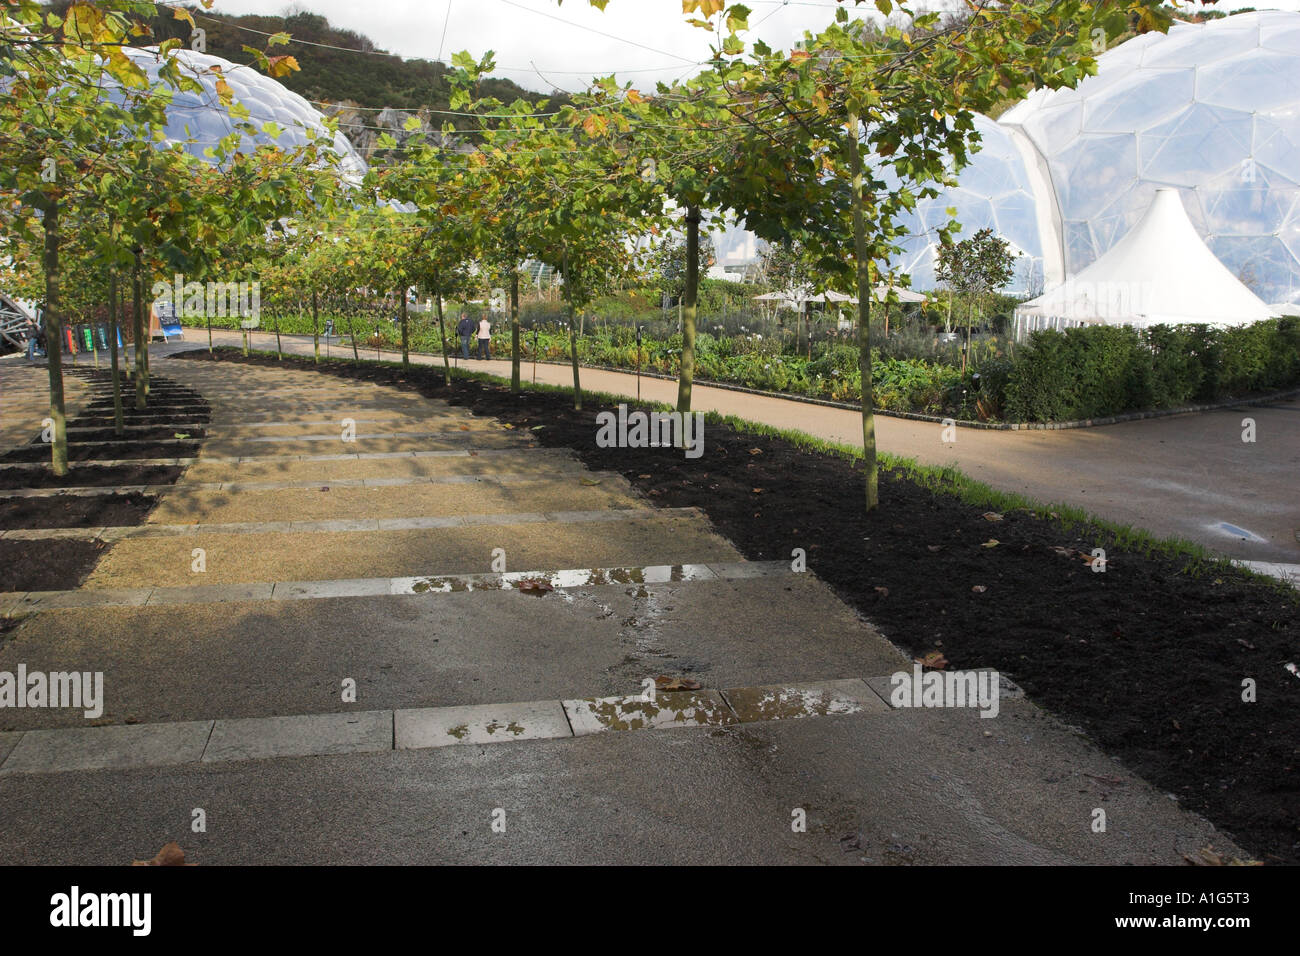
363, 127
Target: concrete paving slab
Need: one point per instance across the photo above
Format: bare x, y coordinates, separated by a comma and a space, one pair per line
705, 708
784, 701
165, 562
111, 748
300, 736
354, 587
125, 597
7, 743
213, 593
479, 724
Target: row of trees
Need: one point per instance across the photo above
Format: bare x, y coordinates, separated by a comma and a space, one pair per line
820, 148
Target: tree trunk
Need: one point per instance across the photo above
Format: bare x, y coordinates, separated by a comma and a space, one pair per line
54, 342
315, 326
406, 349
573, 351
442, 334
864, 316
352, 330
119, 425
514, 329
686, 373
573, 334
141, 345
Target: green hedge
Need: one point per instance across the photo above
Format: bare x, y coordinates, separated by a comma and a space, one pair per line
1094, 371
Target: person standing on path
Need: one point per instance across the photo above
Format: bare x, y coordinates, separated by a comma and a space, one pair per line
465, 329
484, 338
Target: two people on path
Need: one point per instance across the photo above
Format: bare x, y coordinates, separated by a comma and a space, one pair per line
465, 329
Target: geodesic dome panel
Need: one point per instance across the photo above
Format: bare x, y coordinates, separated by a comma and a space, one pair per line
199, 121
994, 191
1211, 108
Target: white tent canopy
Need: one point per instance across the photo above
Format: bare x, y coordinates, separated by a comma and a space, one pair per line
1161, 272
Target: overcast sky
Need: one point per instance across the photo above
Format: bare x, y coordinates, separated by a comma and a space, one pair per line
540, 44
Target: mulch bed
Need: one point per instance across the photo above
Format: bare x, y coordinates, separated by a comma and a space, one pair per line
75, 511
51, 565
63, 564
1147, 658
90, 476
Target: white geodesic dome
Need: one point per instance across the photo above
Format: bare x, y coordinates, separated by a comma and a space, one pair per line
996, 192
199, 121
1212, 109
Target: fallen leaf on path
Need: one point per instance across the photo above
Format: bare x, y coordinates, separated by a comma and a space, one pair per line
535, 586
664, 682
464, 428
169, 855
933, 659
1209, 856
180, 435
589, 481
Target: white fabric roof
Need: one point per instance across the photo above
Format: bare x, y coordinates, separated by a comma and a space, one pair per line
1160, 272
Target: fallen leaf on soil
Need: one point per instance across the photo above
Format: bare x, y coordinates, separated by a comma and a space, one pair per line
664, 682
1293, 669
645, 476
589, 481
756, 451
1209, 856
535, 586
933, 547
933, 659
991, 516
883, 592
181, 435
537, 428
990, 543
1245, 643
503, 425
758, 491
978, 588
1053, 514
169, 855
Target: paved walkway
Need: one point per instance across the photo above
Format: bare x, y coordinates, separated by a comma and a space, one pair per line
1187, 476
336, 692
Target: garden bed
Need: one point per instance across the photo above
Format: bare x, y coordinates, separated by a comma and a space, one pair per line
75, 511
1146, 658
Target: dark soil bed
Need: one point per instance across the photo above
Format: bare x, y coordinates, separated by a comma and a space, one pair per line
55, 564
155, 433
59, 564
1147, 658
90, 476
173, 420
75, 511
106, 451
